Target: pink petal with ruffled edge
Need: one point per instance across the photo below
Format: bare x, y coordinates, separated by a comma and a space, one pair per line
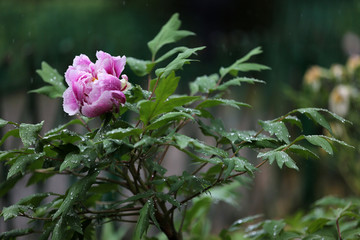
70, 104
109, 64
105, 103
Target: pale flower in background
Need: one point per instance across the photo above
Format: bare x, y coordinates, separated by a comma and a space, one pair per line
339, 100
337, 70
312, 78
353, 63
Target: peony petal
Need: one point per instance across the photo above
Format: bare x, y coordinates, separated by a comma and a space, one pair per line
105, 103
82, 62
109, 64
70, 104
107, 82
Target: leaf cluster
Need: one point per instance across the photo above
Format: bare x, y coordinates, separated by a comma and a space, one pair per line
118, 168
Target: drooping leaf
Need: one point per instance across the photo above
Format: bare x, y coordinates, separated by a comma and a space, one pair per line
303, 152
33, 199
76, 193
13, 211
29, 133
277, 128
51, 76
142, 223
321, 142
12, 132
178, 62
169, 33
22, 162
280, 157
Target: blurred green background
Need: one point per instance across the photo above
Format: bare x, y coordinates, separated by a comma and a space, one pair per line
293, 34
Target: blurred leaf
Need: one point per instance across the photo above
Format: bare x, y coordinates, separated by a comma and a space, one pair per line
12, 234
203, 84
321, 142
59, 230
274, 227
50, 75
3, 122
13, 132
169, 33
33, 200
29, 133
317, 224
293, 120
178, 62
8, 184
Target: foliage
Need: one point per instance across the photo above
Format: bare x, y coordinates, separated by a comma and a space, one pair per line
337, 89
119, 166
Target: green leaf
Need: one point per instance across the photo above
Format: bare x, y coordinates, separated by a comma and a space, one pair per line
22, 162
59, 230
3, 122
310, 110
178, 62
51, 76
241, 164
234, 68
169, 33
76, 192
277, 128
142, 223
274, 227
293, 120
168, 117
13, 211
280, 157
73, 160
203, 84
321, 142
13, 132
218, 101
237, 82
303, 152
120, 133
150, 109
168, 198
29, 133
140, 67
317, 224
170, 53
317, 117
33, 199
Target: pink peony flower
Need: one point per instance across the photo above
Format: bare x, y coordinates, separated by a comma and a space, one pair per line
95, 89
